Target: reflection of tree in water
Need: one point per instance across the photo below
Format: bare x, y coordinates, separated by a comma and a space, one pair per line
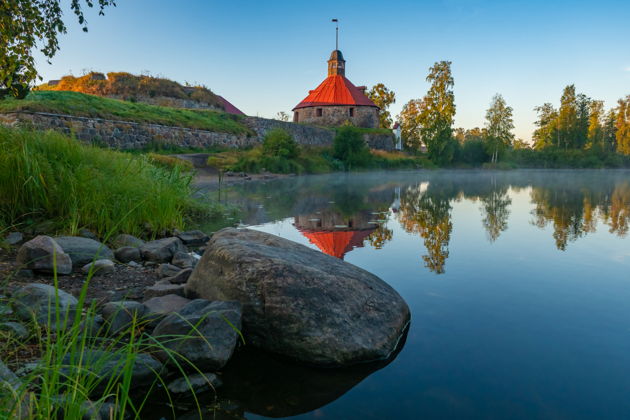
574, 209
380, 236
495, 211
428, 213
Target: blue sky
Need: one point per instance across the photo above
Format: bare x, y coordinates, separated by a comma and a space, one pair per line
265, 56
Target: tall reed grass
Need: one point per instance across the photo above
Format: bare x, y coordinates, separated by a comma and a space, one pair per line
46, 175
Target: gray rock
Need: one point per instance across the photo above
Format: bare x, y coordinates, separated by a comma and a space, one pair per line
84, 250
210, 343
184, 260
167, 270
14, 238
120, 315
181, 277
108, 366
163, 289
163, 305
93, 325
35, 301
86, 233
134, 264
162, 250
196, 383
43, 254
101, 267
127, 254
15, 328
127, 240
194, 238
299, 302
8, 378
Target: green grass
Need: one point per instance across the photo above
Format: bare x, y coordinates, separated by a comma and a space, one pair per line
82, 105
48, 176
80, 369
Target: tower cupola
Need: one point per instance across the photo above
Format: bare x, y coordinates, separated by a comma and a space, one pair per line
336, 64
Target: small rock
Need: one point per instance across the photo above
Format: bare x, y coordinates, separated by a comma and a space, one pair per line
120, 315
36, 300
101, 267
194, 238
184, 260
197, 383
14, 328
162, 250
123, 240
84, 250
210, 343
181, 277
108, 366
163, 289
37, 254
127, 254
168, 270
14, 238
28, 274
159, 307
7, 378
92, 325
134, 264
86, 233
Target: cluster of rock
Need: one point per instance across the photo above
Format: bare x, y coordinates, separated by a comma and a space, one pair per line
278, 295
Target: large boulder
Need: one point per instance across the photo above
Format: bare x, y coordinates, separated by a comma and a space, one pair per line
299, 302
84, 250
123, 240
121, 315
38, 301
202, 333
43, 254
162, 250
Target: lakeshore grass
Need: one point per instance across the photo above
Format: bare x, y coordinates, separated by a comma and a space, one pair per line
84, 105
48, 176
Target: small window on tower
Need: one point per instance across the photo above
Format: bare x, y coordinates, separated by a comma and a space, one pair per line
319, 112
351, 112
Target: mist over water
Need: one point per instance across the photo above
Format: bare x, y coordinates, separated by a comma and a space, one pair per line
518, 283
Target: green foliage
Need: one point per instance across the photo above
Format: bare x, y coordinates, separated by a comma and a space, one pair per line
171, 162
499, 125
383, 98
52, 177
622, 126
279, 143
473, 153
30, 25
572, 158
437, 113
82, 105
350, 148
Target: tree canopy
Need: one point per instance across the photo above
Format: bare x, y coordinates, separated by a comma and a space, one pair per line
499, 126
383, 98
26, 25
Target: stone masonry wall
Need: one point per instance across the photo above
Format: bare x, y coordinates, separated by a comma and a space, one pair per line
363, 116
125, 135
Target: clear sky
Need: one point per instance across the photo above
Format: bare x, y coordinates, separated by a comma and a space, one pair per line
265, 56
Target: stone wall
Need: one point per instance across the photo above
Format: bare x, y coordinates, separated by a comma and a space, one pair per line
363, 116
125, 135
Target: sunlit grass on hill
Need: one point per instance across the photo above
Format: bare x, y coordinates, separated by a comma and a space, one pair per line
48, 176
83, 105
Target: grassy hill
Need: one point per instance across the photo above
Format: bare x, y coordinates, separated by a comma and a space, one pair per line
83, 105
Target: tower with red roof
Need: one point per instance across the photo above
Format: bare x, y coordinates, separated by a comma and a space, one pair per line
337, 101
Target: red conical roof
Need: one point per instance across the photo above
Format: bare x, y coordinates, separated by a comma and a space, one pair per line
335, 90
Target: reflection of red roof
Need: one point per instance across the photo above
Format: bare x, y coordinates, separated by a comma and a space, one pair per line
335, 90
229, 108
337, 243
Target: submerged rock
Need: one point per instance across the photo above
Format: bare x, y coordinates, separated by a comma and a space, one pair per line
45, 255
204, 333
38, 301
162, 250
299, 302
84, 250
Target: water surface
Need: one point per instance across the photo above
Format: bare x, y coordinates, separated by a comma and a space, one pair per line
518, 284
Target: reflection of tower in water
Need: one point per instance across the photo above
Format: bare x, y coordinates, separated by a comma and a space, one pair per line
333, 233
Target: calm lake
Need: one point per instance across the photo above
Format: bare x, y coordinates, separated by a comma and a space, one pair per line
518, 284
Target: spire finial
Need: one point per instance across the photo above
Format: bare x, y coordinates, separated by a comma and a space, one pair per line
336, 21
